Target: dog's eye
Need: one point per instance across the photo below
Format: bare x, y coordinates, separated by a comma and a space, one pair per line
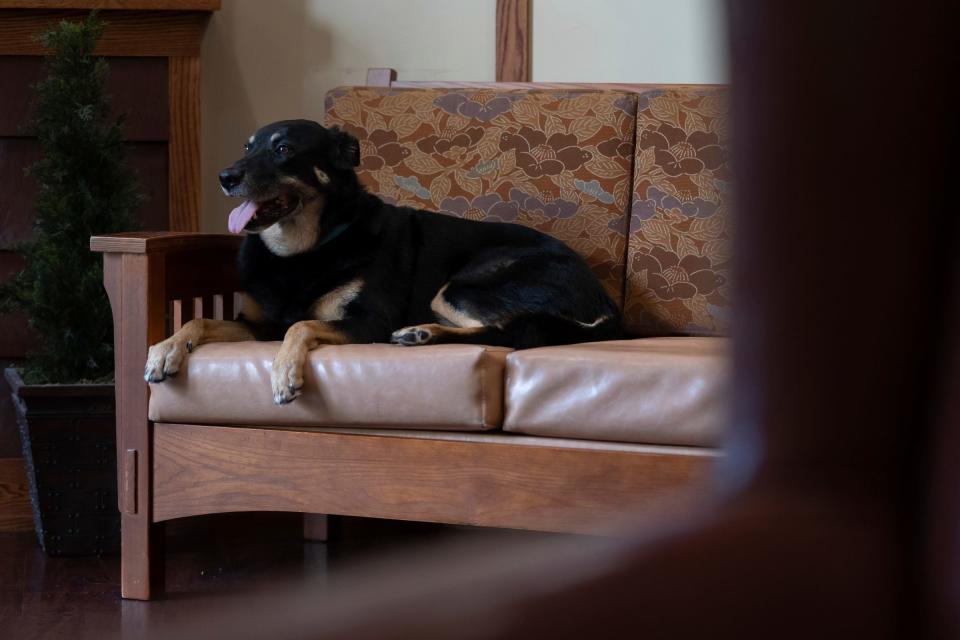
284, 149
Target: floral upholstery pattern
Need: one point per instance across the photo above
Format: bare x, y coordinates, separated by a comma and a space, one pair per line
678, 255
558, 161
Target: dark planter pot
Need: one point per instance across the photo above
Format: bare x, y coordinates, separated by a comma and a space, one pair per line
68, 436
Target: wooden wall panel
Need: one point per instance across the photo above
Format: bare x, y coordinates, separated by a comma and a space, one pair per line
17, 73
149, 160
17, 191
140, 37
15, 337
137, 87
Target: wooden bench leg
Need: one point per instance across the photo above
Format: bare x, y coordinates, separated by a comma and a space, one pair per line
141, 558
135, 283
315, 527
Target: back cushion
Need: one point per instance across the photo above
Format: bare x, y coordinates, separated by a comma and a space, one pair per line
678, 258
557, 161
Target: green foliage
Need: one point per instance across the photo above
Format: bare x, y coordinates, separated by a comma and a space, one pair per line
84, 188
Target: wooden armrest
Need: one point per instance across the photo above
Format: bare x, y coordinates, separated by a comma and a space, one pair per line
163, 242
156, 280
183, 265
199, 269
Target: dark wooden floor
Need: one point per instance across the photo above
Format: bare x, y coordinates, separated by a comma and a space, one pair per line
210, 559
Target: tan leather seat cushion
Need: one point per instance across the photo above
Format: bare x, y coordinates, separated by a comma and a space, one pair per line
452, 387
670, 391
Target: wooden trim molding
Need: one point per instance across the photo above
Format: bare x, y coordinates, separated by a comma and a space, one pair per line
513, 40
184, 149
127, 33
131, 5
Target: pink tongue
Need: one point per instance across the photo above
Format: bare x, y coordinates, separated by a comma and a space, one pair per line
240, 216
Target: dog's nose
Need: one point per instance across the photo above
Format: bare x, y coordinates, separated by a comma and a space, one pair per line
229, 178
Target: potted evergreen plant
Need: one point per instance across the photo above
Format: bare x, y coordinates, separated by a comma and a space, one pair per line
64, 394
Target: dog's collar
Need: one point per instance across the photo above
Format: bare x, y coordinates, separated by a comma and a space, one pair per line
337, 230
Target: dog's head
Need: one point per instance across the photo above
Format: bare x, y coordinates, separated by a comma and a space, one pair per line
286, 166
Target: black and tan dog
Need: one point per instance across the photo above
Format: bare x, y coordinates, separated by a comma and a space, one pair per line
326, 262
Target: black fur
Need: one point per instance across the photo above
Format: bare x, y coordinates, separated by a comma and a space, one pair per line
526, 288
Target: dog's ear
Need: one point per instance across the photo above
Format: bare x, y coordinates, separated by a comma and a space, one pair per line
347, 149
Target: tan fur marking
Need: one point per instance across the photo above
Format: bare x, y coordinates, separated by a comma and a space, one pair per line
451, 314
250, 309
333, 304
322, 176
203, 330
301, 338
297, 183
165, 358
310, 334
296, 233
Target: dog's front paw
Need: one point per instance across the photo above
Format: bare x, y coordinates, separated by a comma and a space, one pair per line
286, 380
412, 336
165, 359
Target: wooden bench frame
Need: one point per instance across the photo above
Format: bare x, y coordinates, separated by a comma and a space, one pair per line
156, 281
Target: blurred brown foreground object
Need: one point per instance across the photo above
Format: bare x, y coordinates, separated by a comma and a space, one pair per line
843, 457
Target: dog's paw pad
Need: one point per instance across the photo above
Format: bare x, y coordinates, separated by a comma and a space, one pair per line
411, 336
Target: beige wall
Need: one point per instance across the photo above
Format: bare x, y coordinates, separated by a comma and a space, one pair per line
266, 60
679, 41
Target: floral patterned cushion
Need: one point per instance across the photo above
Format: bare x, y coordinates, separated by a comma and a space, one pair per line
558, 161
678, 255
